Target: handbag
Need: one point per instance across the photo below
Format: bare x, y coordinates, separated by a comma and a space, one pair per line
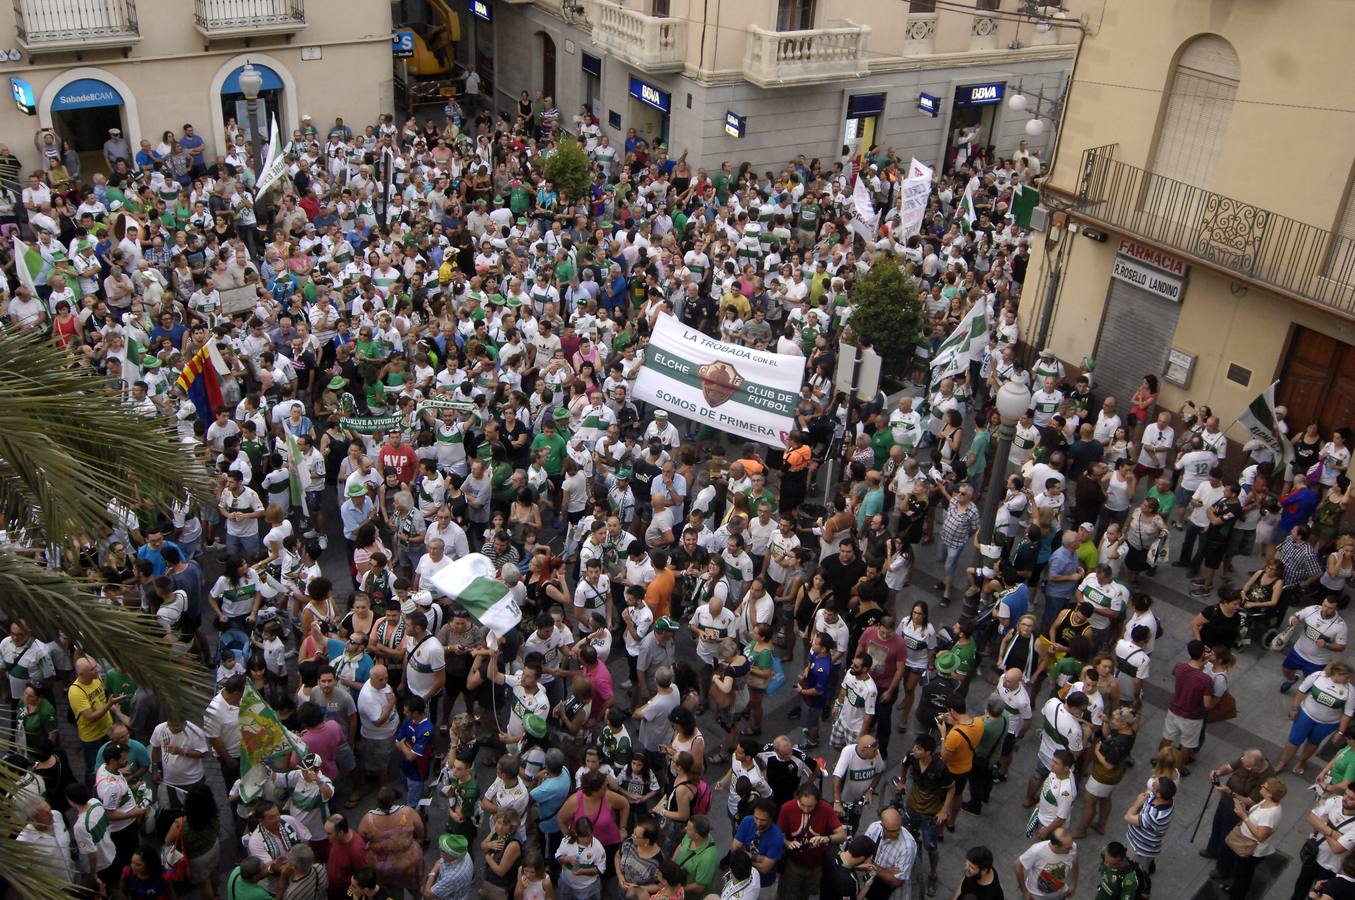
778, 679
1224, 708
1239, 843
175, 862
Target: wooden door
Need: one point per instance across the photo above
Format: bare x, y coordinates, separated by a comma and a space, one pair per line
1317, 383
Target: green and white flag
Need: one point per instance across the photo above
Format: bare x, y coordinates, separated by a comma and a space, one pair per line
965, 343
473, 582
275, 166
967, 214
1262, 424
1024, 200
28, 264
299, 477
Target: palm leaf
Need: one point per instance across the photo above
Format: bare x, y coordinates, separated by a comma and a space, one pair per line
29, 874
68, 449
132, 641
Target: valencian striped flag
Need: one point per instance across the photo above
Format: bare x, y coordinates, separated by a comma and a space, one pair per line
472, 582
200, 381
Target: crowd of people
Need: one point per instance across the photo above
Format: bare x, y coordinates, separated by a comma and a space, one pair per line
451, 367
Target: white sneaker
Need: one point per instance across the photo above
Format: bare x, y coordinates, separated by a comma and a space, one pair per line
310, 534
324, 542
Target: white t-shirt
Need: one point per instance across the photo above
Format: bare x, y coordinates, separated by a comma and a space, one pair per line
1058, 720
858, 701
422, 665
1325, 701
642, 619
222, 721
1331, 812
524, 703
371, 704
1047, 872
177, 769
1111, 597
91, 820
1056, 798
1017, 704
920, 642
1153, 436
856, 773
1263, 817
572, 857
1205, 495
1315, 628
714, 630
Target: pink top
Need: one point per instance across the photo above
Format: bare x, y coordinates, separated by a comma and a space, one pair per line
324, 740
601, 679
604, 825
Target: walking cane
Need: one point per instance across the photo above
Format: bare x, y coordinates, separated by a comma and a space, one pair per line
1207, 798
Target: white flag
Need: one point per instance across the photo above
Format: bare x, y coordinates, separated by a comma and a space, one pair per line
965, 343
917, 190
1262, 423
863, 211
473, 582
276, 165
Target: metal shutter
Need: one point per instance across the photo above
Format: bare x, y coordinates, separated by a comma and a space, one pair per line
1136, 333
1199, 107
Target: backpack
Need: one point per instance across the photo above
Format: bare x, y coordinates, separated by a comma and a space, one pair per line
1145, 883
701, 802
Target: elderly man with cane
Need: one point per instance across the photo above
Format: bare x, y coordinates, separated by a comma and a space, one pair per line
1244, 775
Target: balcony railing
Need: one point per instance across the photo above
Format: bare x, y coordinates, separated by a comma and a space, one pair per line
652, 43
1259, 246
773, 58
75, 24
247, 18
919, 34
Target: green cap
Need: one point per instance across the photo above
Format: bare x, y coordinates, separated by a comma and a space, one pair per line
356, 489
624, 473
947, 662
513, 301
667, 624
522, 220
534, 725
337, 382
561, 414
150, 362
453, 845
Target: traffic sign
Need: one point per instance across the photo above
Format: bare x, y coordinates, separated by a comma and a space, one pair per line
402, 44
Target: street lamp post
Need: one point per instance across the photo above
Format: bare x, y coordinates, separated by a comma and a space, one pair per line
251, 82
1012, 401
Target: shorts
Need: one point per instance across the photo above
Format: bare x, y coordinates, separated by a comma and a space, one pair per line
1306, 730
375, 755
811, 715
1097, 789
841, 735
1179, 730
1214, 552
1183, 497
1008, 743
1242, 542
1041, 770
1141, 471
924, 826
1295, 663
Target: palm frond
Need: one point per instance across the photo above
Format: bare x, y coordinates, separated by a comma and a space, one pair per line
67, 449
132, 641
29, 874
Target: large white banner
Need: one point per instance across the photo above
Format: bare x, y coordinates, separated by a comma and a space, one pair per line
276, 164
863, 218
735, 389
917, 189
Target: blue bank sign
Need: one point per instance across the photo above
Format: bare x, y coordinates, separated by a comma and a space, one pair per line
735, 125
481, 10
979, 94
929, 104
86, 93
24, 98
649, 95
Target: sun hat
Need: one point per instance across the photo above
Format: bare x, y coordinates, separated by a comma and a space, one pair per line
454, 845
947, 662
356, 489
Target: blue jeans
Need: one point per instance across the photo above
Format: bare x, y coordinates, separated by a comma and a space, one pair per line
413, 792
242, 546
949, 557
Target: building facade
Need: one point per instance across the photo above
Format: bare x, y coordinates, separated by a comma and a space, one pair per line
81, 67
1203, 227
768, 80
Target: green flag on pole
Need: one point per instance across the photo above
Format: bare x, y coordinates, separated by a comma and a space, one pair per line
1024, 201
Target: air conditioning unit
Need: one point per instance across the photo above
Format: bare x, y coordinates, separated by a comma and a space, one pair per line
1039, 219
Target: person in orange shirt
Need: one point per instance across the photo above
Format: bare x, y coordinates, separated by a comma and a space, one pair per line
795, 475
752, 463
963, 733
659, 593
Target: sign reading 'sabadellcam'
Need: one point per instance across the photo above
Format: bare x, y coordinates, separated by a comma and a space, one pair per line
732, 388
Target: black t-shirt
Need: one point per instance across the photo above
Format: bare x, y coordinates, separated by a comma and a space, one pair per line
681, 559
842, 577
1081, 455
1218, 628
970, 889
1228, 512
645, 472
839, 882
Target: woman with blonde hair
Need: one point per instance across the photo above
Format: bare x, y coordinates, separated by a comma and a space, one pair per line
1323, 704
1251, 840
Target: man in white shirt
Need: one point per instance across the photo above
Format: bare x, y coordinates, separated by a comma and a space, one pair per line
1197, 520
710, 624
178, 749
1194, 466
1156, 445
1046, 401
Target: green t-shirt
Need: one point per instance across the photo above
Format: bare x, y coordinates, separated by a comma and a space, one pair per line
1165, 502
721, 182
1087, 555
237, 888
1343, 766
993, 732
967, 654
519, 200
42, 721
880, 442
978, 448
117, 683
555, 451
1065, 668
1118, 884
702, 865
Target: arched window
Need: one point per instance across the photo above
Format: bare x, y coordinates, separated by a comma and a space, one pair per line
1198, 106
